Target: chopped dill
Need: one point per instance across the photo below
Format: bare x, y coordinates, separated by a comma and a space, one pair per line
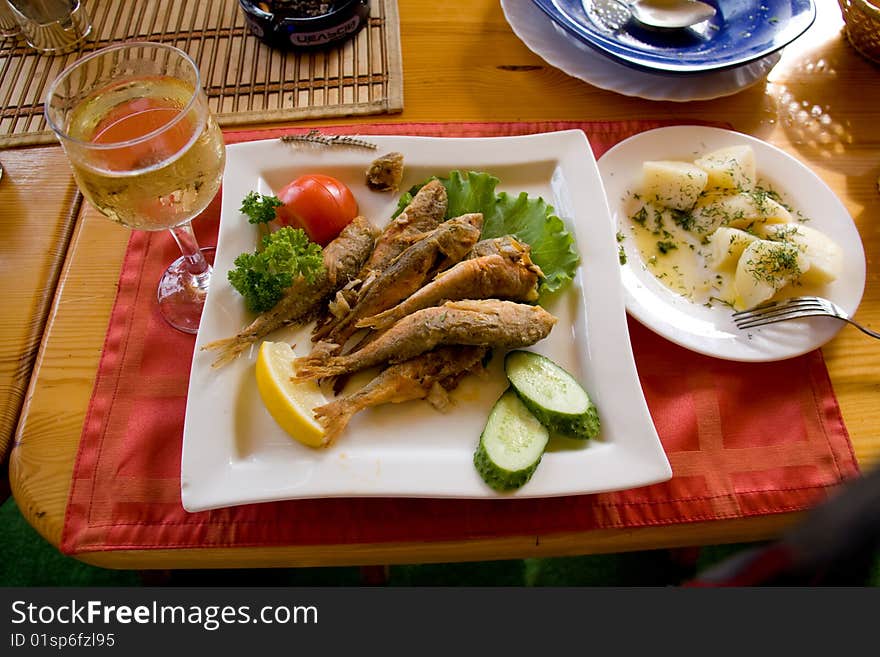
718, 300
658, 222
683, 219
775, 265
641, 216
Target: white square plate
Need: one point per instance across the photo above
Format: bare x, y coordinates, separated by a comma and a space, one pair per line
234, 453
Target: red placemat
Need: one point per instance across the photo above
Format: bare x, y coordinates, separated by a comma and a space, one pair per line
743, 439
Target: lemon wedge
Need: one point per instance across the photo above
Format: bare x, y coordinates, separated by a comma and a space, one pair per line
289, 402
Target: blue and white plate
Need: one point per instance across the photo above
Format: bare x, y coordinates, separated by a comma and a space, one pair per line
741, 31
552, 43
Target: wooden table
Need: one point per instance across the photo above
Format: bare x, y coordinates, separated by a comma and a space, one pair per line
39, 204
821, 103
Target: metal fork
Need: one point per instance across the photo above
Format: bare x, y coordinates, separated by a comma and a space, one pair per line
794, 308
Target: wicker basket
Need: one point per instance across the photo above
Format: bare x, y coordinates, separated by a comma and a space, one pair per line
863, 26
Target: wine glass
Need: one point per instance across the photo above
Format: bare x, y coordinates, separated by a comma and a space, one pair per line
146, 152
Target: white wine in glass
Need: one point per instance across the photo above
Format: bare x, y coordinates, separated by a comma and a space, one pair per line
146, 152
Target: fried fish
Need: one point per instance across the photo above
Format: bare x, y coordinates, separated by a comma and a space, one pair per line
487, 323
434, 252
424, 213
512, 276
343, 258
428, 376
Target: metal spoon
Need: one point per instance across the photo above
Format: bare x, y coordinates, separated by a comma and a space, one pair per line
668, 14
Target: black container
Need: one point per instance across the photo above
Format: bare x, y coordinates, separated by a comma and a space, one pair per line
288, 31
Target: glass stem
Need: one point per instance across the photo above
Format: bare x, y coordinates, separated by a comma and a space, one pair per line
196, 264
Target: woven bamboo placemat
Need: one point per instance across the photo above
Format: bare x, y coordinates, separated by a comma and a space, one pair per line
246, 81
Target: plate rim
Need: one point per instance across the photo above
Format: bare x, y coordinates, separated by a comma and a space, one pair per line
643, 456
640, 59
552, 50
648, 319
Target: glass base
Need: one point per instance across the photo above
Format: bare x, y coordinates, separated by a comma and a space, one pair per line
181, 295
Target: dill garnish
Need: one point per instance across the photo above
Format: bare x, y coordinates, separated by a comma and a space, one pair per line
641, 216
712, 299
777, 264
683, 219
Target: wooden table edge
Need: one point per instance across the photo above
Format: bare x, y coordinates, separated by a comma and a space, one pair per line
600, 541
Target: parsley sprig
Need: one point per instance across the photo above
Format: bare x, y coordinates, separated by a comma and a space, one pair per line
259, 208
262, 277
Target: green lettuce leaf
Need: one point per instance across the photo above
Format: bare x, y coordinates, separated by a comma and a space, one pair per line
470, 192
531, 220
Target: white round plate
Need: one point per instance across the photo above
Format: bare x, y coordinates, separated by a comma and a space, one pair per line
563, 51
710, 330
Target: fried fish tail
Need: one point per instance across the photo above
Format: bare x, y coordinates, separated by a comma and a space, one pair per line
334, 417
228, 348
300, 301
417, 378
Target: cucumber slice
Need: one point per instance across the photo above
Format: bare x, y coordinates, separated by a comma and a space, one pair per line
511, 445
552, 395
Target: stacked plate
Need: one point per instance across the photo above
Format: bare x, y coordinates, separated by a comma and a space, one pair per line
598, 42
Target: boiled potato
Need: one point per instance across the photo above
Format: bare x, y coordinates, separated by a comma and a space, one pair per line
727, 244
825, 256
737, 210
730, 168
673, 184
764, 268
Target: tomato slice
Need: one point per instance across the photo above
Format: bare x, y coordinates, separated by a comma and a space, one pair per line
320, 205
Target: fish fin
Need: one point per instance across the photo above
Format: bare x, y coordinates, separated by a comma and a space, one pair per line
371, 322
414, 237
467, 304
339, 307
322, 350
219, 344
307, 368
229, 349
334, 417
377, 323
439, 398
